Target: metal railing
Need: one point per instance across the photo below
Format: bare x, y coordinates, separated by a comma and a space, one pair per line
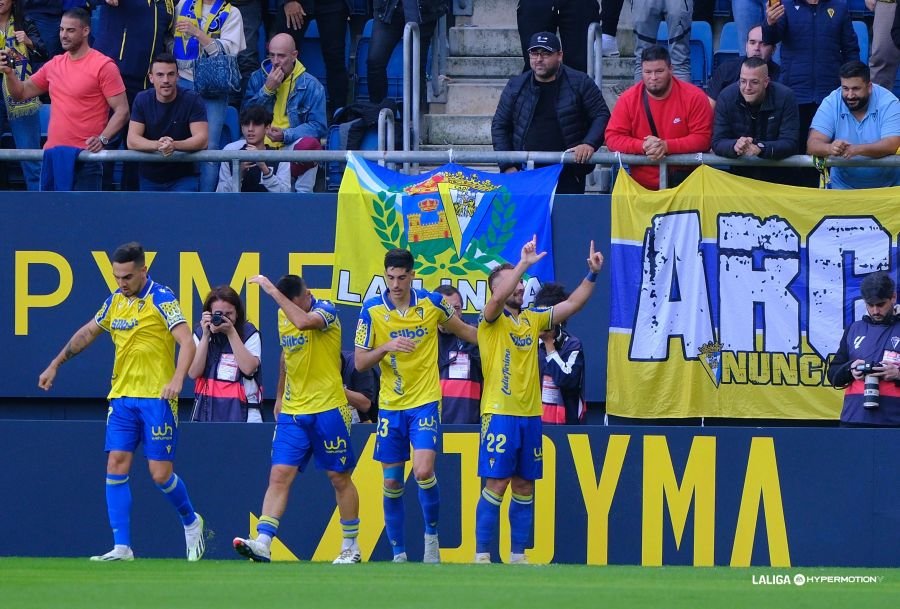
412, 82
386, 133
440, 51
431, 158
595, 54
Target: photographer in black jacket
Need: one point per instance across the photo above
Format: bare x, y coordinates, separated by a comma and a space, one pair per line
551, 107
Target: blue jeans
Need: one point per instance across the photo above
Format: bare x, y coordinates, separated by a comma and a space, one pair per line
747, 13
215, 117
88, 176
185, 184
26, 132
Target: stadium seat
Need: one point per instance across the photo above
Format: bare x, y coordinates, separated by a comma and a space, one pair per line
728, 45
262, 43
231, 129
722, 8
311, 51
862, 33
857, 9
701, 49
360, 7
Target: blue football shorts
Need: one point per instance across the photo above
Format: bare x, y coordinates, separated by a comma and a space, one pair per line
324, 435
511, 446
397, 429
151, 420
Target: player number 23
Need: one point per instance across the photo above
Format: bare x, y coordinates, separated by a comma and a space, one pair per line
495, 444
383, 427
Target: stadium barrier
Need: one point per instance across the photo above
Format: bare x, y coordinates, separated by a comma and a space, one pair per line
624, 495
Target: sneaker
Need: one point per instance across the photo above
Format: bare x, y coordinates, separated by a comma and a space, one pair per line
348, 556
117, 553
255, 550
609, 47
483, 558
518, 559
432, 549
401, 557
193, 539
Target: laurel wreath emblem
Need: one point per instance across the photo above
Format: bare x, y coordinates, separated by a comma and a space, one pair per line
479, 254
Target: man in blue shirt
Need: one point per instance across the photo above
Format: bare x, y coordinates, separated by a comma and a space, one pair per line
860, 119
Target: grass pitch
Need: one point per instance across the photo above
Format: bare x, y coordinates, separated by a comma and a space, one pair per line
35, 583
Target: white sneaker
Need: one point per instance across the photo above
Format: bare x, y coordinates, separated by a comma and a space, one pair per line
348, 556
401, 557
432, 549
609, 47
483, 558
193, 539
518, 559
253, 549
117, 553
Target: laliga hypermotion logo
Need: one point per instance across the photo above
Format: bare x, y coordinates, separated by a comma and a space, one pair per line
711, 360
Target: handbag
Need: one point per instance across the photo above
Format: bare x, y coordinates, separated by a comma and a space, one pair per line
216, 75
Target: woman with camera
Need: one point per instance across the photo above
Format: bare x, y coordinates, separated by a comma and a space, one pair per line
226, 366
21, 47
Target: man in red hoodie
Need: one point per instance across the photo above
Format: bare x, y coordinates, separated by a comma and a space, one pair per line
659, 116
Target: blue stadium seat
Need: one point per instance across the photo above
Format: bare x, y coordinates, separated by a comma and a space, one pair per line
728, 45
231, 129
701, 49
722, 8
262, 43
311, 51
360, 7
862, 33
857, 8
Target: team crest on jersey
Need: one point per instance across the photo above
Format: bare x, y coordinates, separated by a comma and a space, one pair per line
895, 341
141, 304
420, 312
491, 462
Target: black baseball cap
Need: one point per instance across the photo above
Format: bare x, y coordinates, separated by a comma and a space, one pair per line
544, 40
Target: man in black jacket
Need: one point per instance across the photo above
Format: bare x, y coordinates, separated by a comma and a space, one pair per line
551, 107
730, 71
756, 117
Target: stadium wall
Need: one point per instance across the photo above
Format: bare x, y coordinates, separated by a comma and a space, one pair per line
55, 270
619, 495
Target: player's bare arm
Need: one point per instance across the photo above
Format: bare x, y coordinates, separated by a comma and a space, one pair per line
508, 283
366, 359
82, 338
279, 390
186, 349
582, 293
461, 329
297, 316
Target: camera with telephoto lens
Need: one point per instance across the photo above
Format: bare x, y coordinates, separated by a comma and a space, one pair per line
218, 318
871, 393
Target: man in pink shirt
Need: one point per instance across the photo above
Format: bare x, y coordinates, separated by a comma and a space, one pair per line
83, 85
659, 116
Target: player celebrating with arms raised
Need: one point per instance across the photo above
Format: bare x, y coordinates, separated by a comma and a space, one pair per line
399, 331
511, 451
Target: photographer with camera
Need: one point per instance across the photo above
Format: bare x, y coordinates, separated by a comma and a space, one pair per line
226, 366
867, 362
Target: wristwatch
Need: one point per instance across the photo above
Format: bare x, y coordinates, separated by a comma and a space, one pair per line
103, 139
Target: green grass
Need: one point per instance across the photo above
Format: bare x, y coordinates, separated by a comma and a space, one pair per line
36, 583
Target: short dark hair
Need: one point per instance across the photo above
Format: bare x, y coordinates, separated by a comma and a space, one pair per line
855, 69
399, 259
291, 286
446, 289
550, 294
129, 252
79, 13
493, 276
656, 53
876, 287
754, 62
258, 115
226, 293
163, 58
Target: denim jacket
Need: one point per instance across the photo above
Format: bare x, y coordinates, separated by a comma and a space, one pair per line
305, 105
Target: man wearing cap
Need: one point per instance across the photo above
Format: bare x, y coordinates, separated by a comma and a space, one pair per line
551, 107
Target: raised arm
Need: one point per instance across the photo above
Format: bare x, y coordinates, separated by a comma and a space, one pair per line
80, 341
297, 316
508, 282
579, 297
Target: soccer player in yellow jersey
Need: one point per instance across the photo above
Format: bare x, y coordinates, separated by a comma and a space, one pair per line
144, 320
511, 451
399, 331
313, 416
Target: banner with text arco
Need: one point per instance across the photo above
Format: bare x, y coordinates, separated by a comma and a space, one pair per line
730, 295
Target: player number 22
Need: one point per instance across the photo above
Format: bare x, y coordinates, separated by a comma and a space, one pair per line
383, 427
496, 443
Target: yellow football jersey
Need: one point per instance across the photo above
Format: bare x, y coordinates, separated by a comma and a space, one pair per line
509, 353
408, 380
140, 329
312, 360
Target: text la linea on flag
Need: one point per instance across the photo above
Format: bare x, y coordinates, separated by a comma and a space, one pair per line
729, 295
457, 222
